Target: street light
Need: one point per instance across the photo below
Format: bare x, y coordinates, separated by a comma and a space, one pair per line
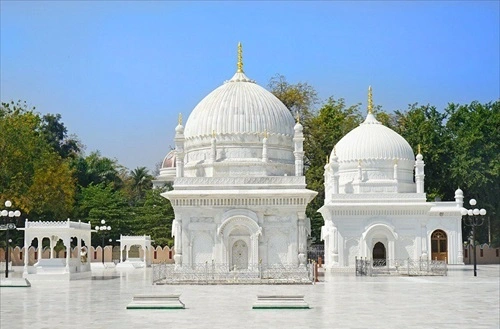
474, 219
103, 228
9, 224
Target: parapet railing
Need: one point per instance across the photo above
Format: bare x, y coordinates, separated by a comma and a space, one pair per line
408, 266
212, 273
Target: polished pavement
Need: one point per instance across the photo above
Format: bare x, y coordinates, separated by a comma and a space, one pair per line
458, 300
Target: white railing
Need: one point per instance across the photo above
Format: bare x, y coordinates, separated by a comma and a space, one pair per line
222, 274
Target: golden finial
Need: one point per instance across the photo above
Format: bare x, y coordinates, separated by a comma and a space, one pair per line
180, 118
370, 100
240, 58
297, 116
419, 150
327, 160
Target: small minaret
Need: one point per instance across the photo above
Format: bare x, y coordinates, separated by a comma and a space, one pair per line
179, 148
419, 171
298, 140
334, 164
213, 154
264, 147
459, 198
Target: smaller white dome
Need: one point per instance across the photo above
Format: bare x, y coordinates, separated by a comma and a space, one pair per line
373, 158
371, 141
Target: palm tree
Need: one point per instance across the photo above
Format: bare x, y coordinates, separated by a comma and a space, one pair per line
141, 181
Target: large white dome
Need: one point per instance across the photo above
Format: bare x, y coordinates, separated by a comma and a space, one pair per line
239, 129
239, 106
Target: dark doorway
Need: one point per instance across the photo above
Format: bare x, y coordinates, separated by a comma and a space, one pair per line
379, 257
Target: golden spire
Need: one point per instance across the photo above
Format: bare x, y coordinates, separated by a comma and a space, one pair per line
240, 58
180, 119
297, 116
370, 100
327, 160
419, 150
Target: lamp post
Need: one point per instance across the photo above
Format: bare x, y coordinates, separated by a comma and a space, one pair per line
9, 219
103, 228
474, 219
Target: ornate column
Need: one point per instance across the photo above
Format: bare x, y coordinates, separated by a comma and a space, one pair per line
67, 244
179, 148
40, 249
264, 148
303, 230
254, 240
177, 234
298, 140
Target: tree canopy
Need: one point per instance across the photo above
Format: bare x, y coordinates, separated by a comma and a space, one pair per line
46, 174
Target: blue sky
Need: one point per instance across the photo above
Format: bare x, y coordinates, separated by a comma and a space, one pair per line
120, 72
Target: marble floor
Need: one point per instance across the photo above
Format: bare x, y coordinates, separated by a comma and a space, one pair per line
458, 300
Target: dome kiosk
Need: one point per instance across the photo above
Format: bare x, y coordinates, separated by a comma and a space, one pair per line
375, 203
239, 193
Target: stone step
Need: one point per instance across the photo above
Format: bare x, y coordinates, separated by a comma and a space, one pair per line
280, 302
148, 301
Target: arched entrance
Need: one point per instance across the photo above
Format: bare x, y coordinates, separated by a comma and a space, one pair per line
379, 254
439, 245
239, 255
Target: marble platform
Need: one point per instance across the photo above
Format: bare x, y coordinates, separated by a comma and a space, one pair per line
458, 300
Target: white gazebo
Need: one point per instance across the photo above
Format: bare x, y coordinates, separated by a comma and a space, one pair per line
126, 242
54, 268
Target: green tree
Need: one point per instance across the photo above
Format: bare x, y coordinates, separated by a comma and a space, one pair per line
299, 98
154, 217
32, 174
97, 169
101, 201
140, 182
56, 135
322, 131
474, 132
425, 126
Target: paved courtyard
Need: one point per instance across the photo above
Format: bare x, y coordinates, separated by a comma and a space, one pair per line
458, 300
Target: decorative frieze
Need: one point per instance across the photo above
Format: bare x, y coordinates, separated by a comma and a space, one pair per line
183, 182
239, 202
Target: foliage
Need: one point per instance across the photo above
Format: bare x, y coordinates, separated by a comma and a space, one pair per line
322, 132
474, 132
32, 175
154, 217
425, 126
101, 202
299, 98
45, 173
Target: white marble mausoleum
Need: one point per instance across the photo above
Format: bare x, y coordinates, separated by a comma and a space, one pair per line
375, 202
239, 193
